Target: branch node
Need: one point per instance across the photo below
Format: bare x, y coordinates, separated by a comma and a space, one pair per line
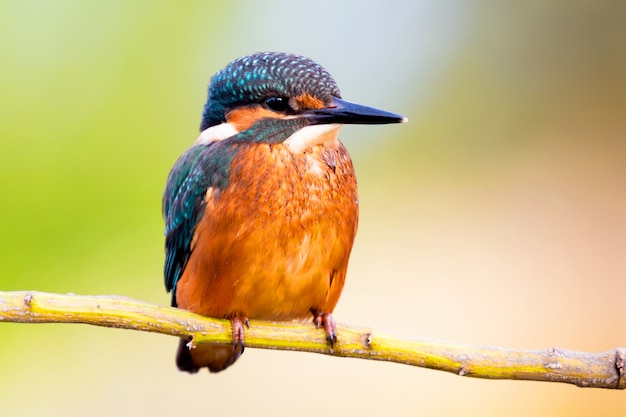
620, 360
28, 298
366, 339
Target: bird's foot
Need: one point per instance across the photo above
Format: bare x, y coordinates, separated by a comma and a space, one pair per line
326, 321
239, 337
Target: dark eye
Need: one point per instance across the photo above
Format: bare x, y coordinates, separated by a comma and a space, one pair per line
277, 103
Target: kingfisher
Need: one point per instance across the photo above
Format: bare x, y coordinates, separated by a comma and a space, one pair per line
262, 211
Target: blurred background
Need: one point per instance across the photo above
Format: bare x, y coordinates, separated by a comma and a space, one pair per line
497, 216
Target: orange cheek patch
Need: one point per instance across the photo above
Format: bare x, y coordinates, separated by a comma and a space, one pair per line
307, 101
244, 117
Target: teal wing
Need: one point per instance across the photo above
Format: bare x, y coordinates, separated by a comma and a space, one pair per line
199, 168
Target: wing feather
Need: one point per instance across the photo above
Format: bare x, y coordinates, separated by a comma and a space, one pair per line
199, 168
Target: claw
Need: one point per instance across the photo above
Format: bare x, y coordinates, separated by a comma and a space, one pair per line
238, 332
326, 321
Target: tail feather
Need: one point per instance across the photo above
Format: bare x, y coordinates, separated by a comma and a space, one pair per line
215, 357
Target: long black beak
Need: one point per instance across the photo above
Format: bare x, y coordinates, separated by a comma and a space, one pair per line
344, 112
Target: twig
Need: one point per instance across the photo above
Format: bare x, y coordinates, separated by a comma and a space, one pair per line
598, 370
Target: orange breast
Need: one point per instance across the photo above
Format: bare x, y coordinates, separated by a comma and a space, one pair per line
276, 242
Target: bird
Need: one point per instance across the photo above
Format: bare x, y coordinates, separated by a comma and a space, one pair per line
262, 211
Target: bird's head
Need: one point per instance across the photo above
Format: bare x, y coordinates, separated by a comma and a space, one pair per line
279, 86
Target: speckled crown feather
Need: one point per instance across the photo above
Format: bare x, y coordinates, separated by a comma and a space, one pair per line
254, 77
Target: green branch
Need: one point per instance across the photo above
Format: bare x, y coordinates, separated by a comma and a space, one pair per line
598, 370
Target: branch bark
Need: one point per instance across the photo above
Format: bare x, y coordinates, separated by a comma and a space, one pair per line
598, 370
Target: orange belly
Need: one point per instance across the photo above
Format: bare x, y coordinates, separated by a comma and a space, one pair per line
275, 243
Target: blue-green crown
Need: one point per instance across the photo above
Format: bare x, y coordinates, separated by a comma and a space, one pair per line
252, 78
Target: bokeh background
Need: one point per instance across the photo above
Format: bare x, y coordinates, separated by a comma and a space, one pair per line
496, 216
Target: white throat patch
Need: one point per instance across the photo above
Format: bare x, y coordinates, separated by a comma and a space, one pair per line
311, 136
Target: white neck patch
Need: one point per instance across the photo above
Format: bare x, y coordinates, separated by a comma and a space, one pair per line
216, 133
311, 136
296, 143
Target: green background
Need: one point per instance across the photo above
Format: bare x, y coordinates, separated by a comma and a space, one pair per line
496, 216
